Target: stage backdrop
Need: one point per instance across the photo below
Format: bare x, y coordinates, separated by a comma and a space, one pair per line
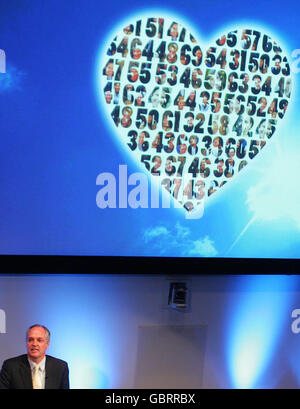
144, 129
239, 332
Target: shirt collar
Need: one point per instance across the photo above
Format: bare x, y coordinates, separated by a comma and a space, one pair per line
41, 364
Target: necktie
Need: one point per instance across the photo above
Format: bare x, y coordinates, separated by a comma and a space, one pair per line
36, 379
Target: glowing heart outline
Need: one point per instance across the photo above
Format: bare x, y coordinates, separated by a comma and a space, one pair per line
149, 23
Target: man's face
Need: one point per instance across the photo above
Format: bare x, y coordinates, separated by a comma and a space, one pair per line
136, 53
37, 344
174, 30
134, 74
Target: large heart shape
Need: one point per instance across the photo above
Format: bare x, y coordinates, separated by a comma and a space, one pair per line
193, 118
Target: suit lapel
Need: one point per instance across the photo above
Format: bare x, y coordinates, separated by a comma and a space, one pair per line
48, 378
25, 373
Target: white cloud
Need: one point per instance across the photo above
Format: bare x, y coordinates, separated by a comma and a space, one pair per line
155, 232
181, 231
176, 240
204, 248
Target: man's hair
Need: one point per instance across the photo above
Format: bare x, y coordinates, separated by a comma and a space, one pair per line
41, 326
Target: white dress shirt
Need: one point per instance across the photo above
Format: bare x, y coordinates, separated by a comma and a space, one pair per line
42, 371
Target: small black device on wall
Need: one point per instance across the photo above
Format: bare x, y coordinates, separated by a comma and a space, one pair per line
178, 296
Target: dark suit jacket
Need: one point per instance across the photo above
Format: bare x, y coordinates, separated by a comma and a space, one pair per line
16, 373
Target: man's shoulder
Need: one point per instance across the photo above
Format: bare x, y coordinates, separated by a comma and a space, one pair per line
19, 358
57, 361
15, 360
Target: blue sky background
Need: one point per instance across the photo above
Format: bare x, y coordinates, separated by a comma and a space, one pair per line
55, 141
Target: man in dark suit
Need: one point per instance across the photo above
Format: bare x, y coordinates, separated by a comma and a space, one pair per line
36, 370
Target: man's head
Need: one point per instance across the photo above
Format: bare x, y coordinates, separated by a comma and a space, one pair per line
37, 340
